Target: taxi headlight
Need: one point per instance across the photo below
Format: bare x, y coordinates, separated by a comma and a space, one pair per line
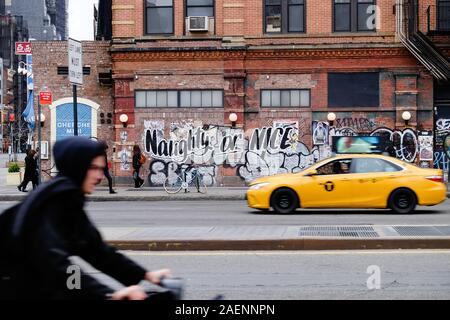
258, 186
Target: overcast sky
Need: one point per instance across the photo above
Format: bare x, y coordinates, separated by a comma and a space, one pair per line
81, 16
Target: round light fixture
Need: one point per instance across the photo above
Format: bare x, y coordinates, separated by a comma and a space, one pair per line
331, 116
406, 115
123, 118
233, 117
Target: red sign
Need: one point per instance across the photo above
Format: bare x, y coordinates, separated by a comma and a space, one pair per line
23, 48
45, 98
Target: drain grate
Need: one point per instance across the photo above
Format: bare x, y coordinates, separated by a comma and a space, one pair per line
417, 231
338, 231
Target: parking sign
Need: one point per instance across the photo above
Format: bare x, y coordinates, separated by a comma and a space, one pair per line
75, 62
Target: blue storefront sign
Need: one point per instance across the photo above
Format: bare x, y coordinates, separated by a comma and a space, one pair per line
64, 121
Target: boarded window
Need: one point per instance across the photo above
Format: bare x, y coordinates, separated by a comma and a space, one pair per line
361, 89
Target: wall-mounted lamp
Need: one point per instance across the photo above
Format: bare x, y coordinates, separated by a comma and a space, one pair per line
124, 119
406, 116
233, 118
42, 119
331, 117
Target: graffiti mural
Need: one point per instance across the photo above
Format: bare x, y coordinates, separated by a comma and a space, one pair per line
264, 151
282, 147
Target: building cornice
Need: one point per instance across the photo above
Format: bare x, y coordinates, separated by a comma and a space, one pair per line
159, 54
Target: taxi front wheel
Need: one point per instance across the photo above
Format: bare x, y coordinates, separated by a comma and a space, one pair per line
284, 201
402, 201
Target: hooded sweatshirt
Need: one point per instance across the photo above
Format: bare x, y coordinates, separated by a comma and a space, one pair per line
51, 226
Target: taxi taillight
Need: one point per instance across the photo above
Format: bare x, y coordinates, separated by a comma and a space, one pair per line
435, 178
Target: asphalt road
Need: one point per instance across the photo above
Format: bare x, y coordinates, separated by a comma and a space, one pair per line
222, 213
298, 275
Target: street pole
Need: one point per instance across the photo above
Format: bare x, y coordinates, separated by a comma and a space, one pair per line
19, 108
39, 142
75, 111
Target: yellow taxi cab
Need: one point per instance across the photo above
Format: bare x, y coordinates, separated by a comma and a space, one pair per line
351, 181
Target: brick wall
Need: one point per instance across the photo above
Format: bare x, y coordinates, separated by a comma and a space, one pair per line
47, 57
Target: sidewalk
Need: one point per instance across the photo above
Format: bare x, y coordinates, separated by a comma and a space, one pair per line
11, 193
353, 237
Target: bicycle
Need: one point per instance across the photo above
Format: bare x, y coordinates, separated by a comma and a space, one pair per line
174, 185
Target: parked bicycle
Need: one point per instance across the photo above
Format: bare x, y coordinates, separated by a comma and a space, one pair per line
174, 184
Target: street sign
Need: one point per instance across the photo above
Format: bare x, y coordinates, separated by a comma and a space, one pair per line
45, 98
75, 62
23, 48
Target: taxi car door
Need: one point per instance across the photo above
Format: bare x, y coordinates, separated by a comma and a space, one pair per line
375, 179
331, 187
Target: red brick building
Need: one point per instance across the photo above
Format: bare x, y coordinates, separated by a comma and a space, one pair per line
95, 102
182, 67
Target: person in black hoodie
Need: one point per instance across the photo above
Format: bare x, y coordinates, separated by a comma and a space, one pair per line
51, 225
138, 181
31, 174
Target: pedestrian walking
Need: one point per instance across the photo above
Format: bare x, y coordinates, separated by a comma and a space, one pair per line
106, 171
31, 173
138, 160
50, 226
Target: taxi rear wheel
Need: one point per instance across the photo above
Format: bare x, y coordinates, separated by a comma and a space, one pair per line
402, 201
284, 201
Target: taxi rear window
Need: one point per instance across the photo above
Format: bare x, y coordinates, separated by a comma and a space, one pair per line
366, 165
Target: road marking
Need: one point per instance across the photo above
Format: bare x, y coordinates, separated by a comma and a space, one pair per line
267, 253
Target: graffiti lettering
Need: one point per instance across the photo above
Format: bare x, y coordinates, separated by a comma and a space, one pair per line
161, 170
443, 124
360, 124
404, 142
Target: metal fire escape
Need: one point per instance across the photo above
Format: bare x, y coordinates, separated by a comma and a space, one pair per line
423, 49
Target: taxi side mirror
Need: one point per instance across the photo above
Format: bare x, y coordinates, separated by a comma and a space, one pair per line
312, 173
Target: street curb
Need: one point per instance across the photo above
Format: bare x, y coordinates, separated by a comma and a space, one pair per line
144, 198
177, 197
285, 244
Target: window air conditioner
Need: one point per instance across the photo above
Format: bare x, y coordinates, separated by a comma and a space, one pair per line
198, 23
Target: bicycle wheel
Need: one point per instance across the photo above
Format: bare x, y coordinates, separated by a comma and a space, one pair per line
173, 185
198, 184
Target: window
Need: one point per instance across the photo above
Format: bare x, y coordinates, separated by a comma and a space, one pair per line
200, 8
159, 16
443, 22
203, 98
357, 89
368, 165
341, 166
64, 71
354, 15
174, 99
285, 98
282, 16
